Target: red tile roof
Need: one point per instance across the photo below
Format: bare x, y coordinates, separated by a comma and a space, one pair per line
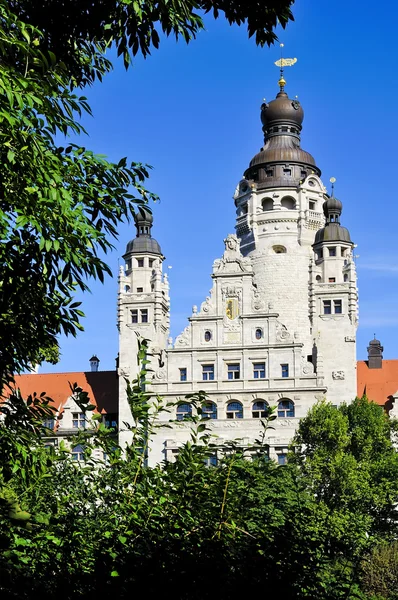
101, 386
377, 384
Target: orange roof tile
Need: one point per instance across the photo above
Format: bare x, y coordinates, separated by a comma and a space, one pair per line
101, 386
377, 384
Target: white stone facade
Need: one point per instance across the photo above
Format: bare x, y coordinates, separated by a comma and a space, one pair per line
264, 334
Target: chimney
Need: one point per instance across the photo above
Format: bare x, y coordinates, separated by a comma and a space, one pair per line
94, 363
375, 354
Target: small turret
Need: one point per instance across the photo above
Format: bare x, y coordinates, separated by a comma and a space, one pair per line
94, 363
375, 354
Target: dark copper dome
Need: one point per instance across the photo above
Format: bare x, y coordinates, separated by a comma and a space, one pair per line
333, 231
281, 162
143, 243
282, 109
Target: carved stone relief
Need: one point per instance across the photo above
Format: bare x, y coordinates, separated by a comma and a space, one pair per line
338, 374
184, 338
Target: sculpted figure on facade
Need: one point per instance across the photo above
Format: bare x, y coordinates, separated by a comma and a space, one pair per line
232, 260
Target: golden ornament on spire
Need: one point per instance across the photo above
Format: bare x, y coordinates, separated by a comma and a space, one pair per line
281, 63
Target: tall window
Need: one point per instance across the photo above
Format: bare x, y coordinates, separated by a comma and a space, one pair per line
78, 452
338, 307
327, 307
208, 372
183, 374
285, 370
151, 261
78, 420
285, 408
259, 334
140, 262
259, 370
209, 410
234, 410
332, 250
183, 411
144, 315
259, 410
234, 371
134, 316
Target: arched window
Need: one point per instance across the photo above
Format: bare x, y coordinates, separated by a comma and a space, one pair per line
267, 204
285, 408
209, 410
234, 410
345, 277
126, 288
288, 203
208, 336
183, 411
259, 410
259, 334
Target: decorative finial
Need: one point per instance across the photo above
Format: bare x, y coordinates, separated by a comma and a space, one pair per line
332, 181
281, 63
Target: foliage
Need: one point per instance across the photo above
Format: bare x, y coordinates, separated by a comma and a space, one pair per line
113, 524
380, 572
60, 206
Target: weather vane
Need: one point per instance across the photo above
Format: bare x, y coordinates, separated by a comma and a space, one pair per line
332, 181
281, 63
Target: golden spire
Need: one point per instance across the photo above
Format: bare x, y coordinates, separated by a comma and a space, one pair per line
281, 63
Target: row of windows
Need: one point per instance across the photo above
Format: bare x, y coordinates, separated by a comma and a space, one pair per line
139, 262
332, 251
208, 335
331, 279
234, 371
234, 410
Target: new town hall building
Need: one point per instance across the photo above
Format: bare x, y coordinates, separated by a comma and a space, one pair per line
278, 328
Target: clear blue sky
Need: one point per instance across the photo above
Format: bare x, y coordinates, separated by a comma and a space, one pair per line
193, 113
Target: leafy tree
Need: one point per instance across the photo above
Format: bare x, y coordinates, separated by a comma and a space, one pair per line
60, 206
195, 531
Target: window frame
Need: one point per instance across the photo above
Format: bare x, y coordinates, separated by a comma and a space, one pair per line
285, 370
183, 373
234, 408
327, 307
144, 315
260, 412
233, 374
181, 415
337, 304
80, 419
285, 407
208, 372
259, 370
140, 263
134, 315
209, 411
